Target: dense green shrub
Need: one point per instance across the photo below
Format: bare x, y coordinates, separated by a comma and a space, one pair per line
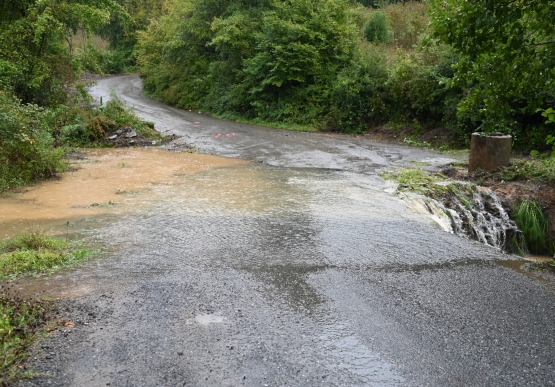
269, 60
506, 61
376, 28
408, 22
86, 126
27, 148
357, 96
103, 61
416, 87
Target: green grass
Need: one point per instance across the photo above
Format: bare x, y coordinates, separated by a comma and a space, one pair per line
268, 124
532, 221
416, 180
534, 169
35, 253
21, 323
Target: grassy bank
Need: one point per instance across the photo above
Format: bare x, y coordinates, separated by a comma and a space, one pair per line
22, 322
34, 253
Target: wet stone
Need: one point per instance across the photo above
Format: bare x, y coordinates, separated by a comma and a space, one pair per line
130, 133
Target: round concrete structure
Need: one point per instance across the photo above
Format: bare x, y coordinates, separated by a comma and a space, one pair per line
489, 152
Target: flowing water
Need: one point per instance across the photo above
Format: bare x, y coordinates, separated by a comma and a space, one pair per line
483, 218
299, 268
104, 182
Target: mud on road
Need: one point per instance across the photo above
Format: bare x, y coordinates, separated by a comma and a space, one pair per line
299, 268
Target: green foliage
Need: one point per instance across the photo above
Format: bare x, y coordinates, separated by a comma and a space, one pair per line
27, 150
532, 222
356, 98
22, 321
89, 126
20, 324
416, 86
103, 61
536, 169
273, 61
121, 33
416, 180
506, 59
35, 253
376, 28
296, 62
33, 61
408, 22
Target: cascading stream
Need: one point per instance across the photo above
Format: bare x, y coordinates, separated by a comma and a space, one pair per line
483, 217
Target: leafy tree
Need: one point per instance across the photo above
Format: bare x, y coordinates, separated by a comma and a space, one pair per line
302, 47
376, 29
274, 60
122, 29
26, 143
33, 60
507, 58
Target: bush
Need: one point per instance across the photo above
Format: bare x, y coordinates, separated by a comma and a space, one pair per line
27, 151
20, 323
272, 61
416, 87
357, 95
408, 22
376, 29
87, 126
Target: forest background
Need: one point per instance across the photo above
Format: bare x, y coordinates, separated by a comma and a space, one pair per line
336, 65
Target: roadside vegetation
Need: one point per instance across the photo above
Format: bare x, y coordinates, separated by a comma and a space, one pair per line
35, 253
417, 180
23, 321
21, 324
338, 65
44, 107
348, 67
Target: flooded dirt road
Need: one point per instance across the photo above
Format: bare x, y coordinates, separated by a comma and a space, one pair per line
296, 268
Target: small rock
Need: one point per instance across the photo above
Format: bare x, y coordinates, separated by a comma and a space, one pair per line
180, 353
113, 137
131, 133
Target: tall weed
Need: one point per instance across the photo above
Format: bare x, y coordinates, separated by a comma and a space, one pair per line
533, 223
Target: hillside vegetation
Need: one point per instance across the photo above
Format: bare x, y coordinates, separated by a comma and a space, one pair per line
336, 65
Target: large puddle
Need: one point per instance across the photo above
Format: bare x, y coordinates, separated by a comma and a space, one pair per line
104, 181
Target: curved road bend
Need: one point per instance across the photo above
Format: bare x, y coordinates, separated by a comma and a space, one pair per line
299, 269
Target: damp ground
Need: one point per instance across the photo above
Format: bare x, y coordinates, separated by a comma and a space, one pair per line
298, 267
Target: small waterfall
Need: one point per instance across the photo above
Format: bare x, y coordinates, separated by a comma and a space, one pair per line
483, 218
477, 214
429, 207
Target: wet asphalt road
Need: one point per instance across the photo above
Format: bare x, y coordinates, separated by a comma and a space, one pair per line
300, 269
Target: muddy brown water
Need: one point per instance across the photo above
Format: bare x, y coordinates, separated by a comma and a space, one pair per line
106, 181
